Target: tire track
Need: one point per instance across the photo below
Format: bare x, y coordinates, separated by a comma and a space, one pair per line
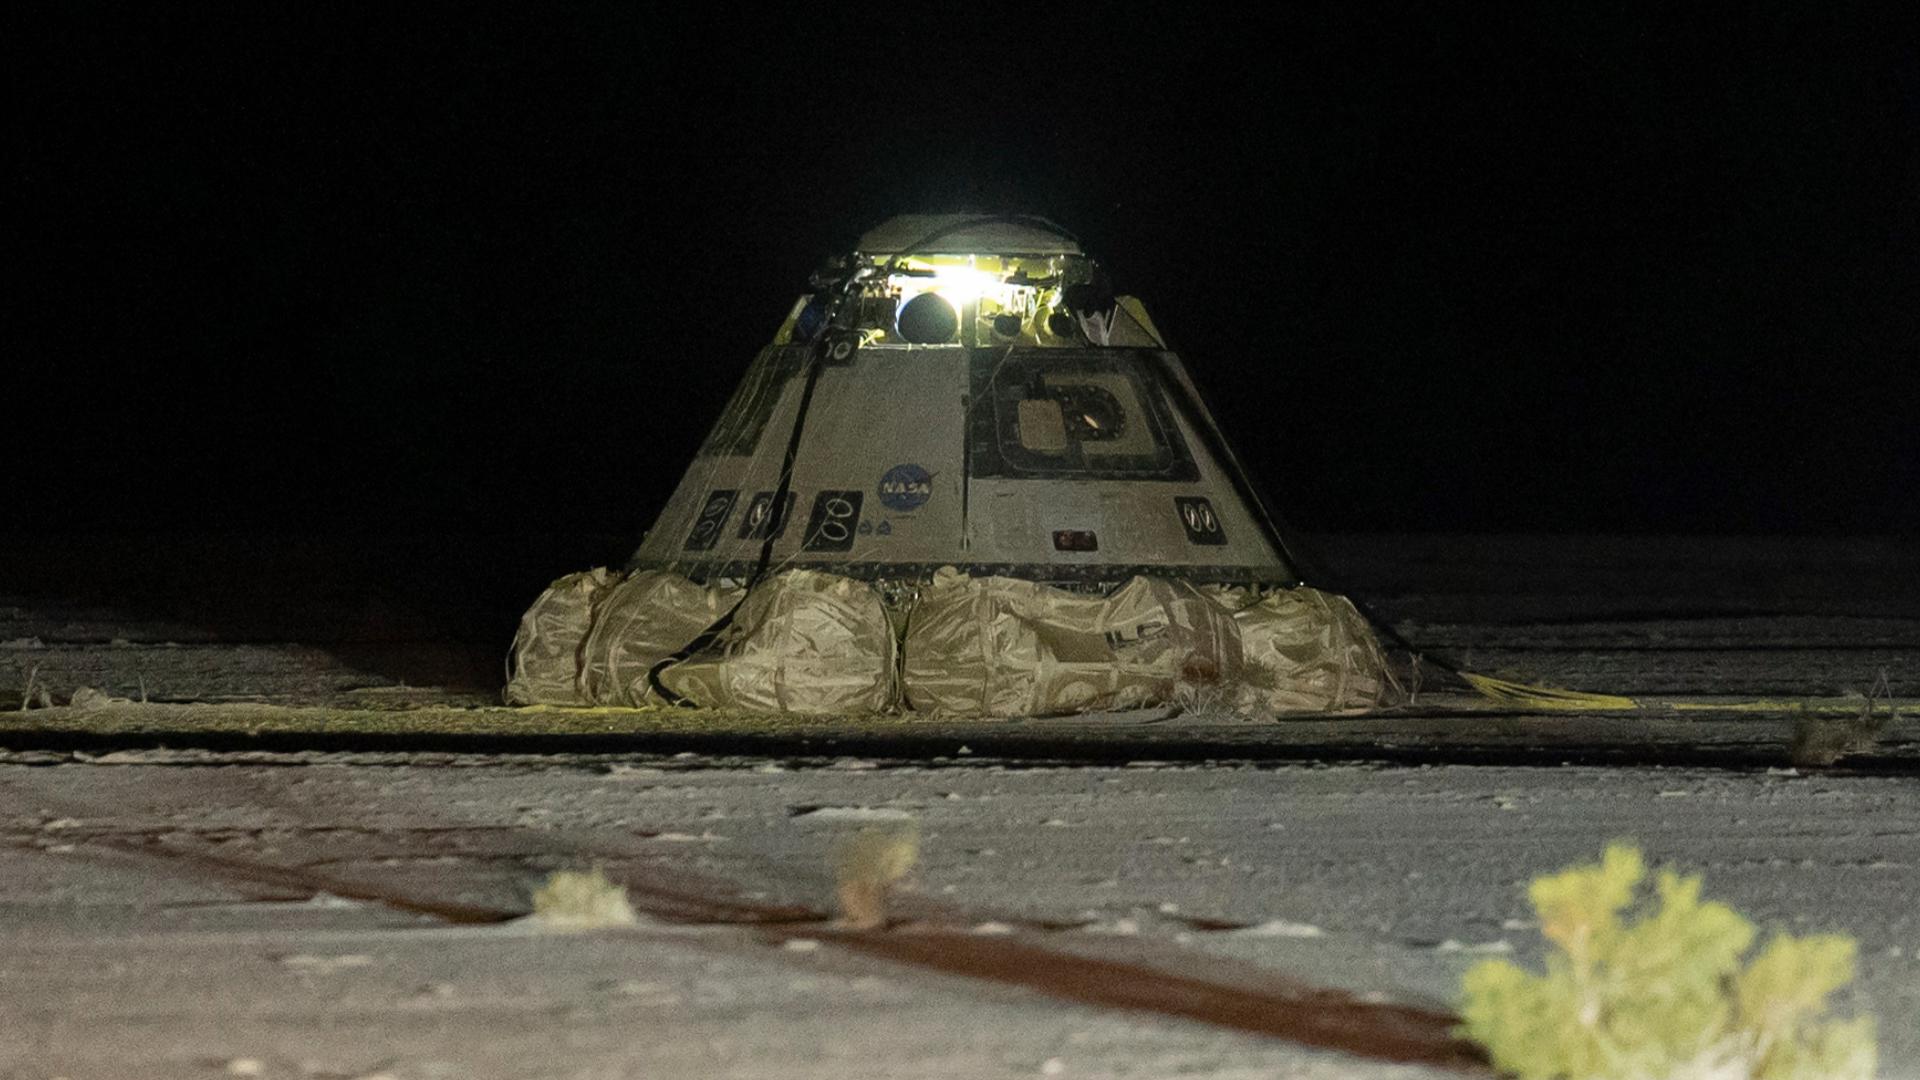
1223, 994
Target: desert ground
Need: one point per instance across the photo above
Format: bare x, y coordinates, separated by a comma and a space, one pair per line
262, 817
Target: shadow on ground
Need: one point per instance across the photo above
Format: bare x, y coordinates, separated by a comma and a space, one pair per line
416, 610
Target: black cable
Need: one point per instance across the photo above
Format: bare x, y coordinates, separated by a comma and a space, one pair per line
776, 510
816, 357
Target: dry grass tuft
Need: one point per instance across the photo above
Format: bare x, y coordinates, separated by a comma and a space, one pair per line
581, 900
869, 866
1825, 738
1203, 701
87, 699
27, 698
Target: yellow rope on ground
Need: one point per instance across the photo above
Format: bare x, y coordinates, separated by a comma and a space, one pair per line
1544, 697
1507, 692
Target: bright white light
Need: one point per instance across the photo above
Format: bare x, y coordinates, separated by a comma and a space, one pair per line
957, 285
962, 285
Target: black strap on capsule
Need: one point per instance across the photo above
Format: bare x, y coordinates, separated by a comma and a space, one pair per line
832, 344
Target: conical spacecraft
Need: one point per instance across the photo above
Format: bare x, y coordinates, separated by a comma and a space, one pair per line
967, 391
967, 479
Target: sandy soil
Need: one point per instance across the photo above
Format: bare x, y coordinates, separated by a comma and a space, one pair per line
141, 938
1137, 896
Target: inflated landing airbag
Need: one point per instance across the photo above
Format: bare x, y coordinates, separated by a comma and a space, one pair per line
811, 642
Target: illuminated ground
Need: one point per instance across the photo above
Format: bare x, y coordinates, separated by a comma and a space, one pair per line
185, 892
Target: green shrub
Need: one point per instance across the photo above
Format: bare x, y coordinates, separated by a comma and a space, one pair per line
1663, 993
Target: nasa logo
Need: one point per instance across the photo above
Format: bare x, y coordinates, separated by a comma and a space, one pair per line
905, 487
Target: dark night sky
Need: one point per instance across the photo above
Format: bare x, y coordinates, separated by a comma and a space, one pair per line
318, 269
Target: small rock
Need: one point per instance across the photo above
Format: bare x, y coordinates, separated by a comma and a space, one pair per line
87, 699
1452, 946
1280, 928
857, 813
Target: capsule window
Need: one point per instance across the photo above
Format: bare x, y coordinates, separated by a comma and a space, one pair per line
1043, 426
1064, 414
